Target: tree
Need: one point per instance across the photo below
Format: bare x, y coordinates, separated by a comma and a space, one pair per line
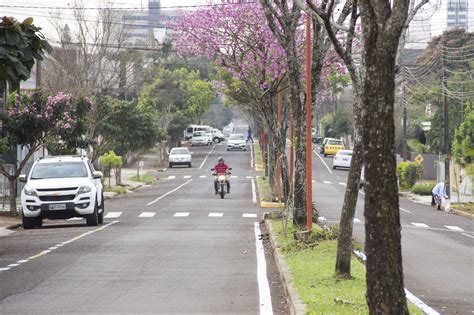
463, 145
20, 45
32, 120
111, 161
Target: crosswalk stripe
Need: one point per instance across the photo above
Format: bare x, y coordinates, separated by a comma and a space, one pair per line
186, 176
234, 176
202, 176
343, 184
181, 214
171, 177
215, 214
250, 177
113, 215
326, 182
454, 228
147, 215
249, 215
420, 225
357, 220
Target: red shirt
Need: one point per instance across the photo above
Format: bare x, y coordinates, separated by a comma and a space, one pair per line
221, 168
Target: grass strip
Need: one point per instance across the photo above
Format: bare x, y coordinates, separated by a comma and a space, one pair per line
463, 206
263, 187
312, 267
116, 189
142, 178
257, 154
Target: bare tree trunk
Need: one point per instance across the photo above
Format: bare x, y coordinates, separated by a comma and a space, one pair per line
13, 191
381, 27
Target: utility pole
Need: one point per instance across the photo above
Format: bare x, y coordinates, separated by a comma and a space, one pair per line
446, 129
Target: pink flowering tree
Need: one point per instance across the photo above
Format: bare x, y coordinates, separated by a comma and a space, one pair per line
32, 121
237, 38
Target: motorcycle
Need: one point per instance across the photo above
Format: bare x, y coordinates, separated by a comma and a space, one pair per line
221, 179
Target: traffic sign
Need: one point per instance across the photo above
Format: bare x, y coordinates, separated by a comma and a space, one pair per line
419, 159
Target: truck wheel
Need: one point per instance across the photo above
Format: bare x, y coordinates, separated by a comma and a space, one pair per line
31, 223
93, 218
102, 213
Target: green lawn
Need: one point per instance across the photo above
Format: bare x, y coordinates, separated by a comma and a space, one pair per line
313, 276
258, 154
463, 206
117, 189
143, 178
263, 188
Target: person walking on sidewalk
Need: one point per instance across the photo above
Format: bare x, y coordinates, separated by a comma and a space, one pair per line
438, 192
249, 134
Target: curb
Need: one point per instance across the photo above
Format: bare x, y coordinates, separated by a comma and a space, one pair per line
265, 204
464, 214
295, 304
14, 226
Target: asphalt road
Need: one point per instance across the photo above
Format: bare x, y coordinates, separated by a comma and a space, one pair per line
171, 247
438, 252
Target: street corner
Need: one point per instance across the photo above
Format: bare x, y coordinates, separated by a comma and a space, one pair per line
8, 224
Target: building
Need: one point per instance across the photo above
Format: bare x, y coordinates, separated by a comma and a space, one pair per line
458, 11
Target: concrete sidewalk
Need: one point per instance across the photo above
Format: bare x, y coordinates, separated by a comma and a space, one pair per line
426, 200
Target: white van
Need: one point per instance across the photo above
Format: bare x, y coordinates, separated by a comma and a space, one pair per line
188, 133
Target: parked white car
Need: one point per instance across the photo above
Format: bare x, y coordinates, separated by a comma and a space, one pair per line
62, 187
179, 156
342, 159
199, 138
236, 142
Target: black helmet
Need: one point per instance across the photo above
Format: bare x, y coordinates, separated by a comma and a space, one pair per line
220, 159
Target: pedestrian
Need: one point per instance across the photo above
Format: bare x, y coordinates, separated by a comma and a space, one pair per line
438, 192
249, 134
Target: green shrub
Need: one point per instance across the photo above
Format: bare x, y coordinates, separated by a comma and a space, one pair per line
408, 173
424, 188
415, 145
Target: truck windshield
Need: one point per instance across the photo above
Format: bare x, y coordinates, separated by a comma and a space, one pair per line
59, 170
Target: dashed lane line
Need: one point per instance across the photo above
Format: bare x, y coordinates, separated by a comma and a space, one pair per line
171, 177
342, 184
202, 176
454, 228
468, 235
254, 192
113, 215
147, 214
55, 247
215, 214
326, 182
405, 210
181, 214
249, 215
187, 176
357, 220
422, 225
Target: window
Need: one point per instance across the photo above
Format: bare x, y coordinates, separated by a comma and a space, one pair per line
335, 142
236, 137
59, 170
179, 151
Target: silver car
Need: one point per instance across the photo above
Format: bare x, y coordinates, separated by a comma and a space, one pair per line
180, 156
199, 138
236, 142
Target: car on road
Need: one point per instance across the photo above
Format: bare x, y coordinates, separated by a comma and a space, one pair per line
332, 146
180, 156
217, 136
199, 138
342, 159
62, 187
236, 141
323, 143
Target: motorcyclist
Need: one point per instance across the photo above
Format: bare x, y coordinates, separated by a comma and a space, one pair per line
220, 168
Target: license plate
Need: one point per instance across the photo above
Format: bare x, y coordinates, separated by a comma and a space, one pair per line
345, 159
57, 206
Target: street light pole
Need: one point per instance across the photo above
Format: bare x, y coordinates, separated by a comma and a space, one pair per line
309, 160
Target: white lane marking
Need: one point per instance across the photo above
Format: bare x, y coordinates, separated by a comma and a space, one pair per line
420, 304
205, 159
147, 215
234, 176
265, 299
168, 193
113, 215
468, 235
249, 215
357, 220
202, 176
454, 228
326, 182
187, 176
410, 296
343, 184
171, 177
181, 214
45, 252
254, 191
215, 214
313, 181
405, 210
75, 219
319, 156
249, 177
420, 225
53, 248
